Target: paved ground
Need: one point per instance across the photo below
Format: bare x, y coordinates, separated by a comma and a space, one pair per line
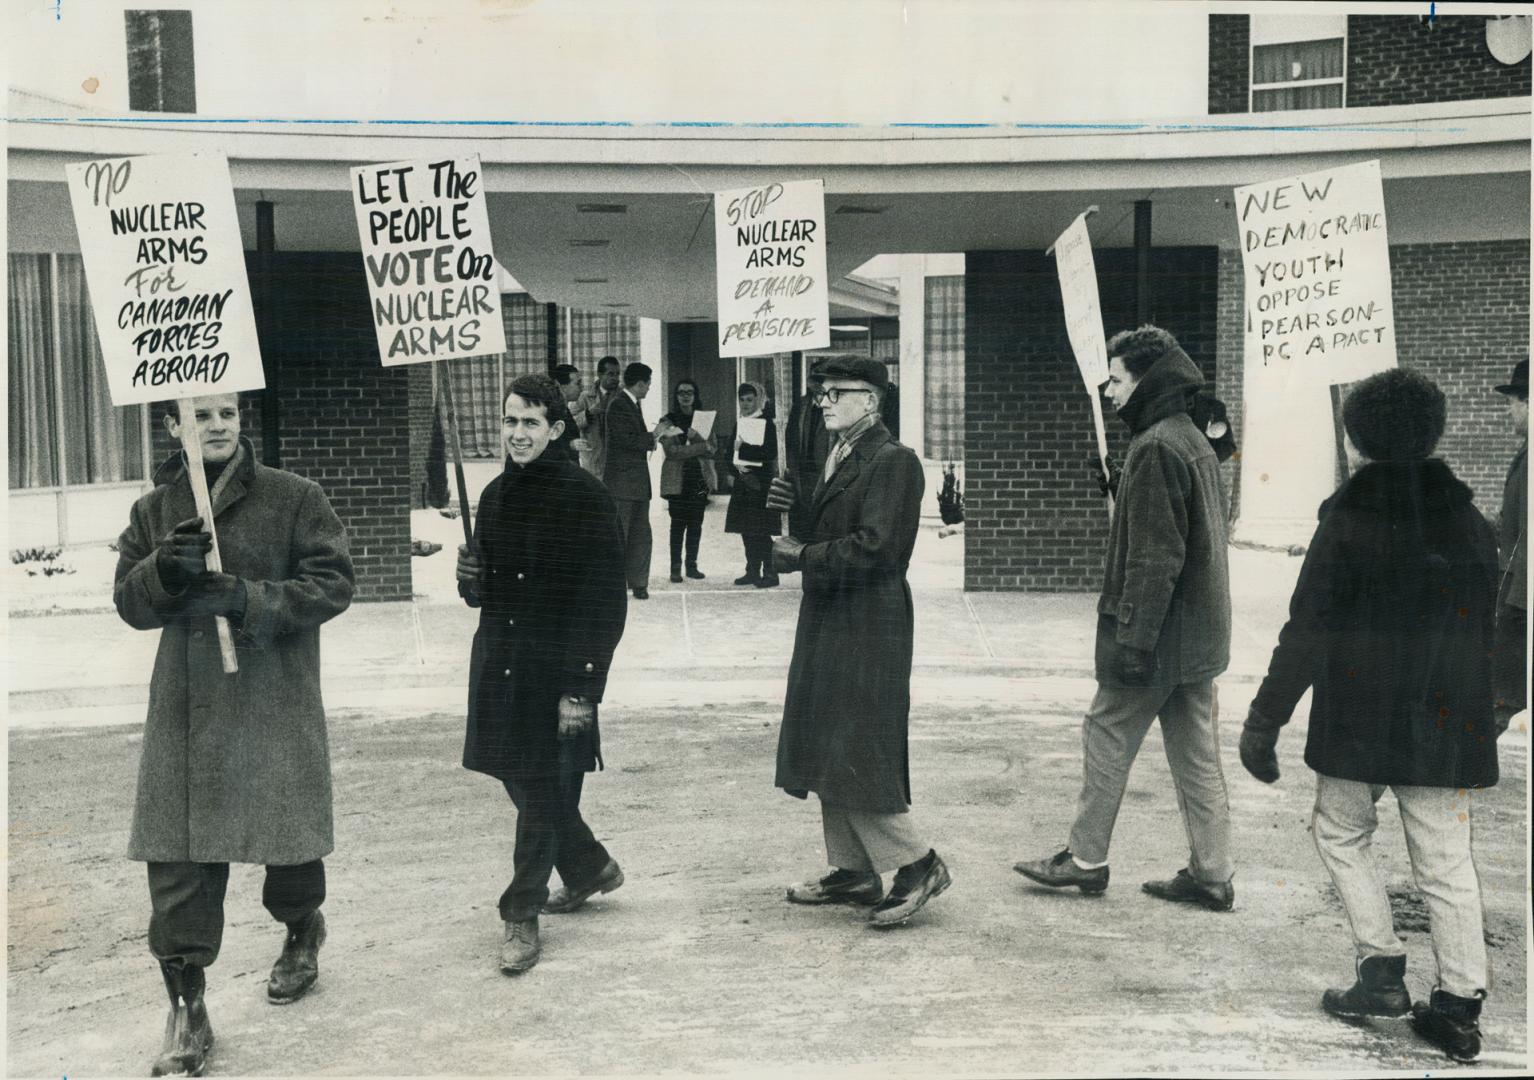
697, 965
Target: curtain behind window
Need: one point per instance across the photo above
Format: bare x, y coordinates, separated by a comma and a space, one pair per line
598, 334
1294, 60
29, 373
944, 347
480, 381
105, 443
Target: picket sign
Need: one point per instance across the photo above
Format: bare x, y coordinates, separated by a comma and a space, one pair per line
186, 408
783, 376
1084, 322
450, 433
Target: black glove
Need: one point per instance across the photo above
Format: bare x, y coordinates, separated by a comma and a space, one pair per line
471, 568
780, 495
1110, 483
1136, 666
214, 594
1258, 752
182, 554
787, 555
575, 717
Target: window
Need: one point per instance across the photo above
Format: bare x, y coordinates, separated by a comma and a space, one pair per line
64, 430
161, 73
1298, 62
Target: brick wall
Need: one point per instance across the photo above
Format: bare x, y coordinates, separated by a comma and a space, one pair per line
1034, 520
1462, 318
421, 406
1230, 39
1401, 60
344, 416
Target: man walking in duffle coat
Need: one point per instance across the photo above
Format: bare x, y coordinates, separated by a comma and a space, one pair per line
848, 703
1163, 630
546, 572
235, 768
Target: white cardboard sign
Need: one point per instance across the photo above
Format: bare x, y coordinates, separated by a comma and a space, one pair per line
1317, 268
1083, 311
770, 251
426, 251
166, 270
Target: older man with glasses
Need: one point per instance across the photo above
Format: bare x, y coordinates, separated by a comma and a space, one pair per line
848, 703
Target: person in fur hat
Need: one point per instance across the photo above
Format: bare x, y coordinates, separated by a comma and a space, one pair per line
1391, 625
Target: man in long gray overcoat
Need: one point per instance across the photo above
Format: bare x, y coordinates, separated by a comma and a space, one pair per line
235, 768
849, 684
1163, 629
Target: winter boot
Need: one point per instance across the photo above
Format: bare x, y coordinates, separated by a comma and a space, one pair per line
1453, 1024
521, 947
299, 965
1379, 991
188, 1034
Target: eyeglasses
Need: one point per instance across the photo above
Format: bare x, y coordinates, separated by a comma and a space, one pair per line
833, 394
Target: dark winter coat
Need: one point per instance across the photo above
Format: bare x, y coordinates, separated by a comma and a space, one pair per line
748, 513
626, 469
808, 446
1391, 623
1513, 525
1166, 586
552, 602
849, 683
236, 768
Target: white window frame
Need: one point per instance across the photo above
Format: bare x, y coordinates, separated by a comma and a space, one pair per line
1293, 30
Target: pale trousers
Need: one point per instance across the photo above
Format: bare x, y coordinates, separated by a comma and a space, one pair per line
1438, 830
1115, 726
865, 840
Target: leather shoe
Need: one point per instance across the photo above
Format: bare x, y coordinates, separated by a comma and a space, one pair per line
1060, 871
696, 574
839, 887
565, 899
641, 593
1185, 888
299, 965
520, 948
747, 579
768, 582
1379, 991
1451, 1023
913, 886
676, 577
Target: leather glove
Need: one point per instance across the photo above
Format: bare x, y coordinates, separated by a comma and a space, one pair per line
1136, 666
780, 495
471, 568
182, 554
1110, 483
214, 594
787, 555
575, 717
1258, 752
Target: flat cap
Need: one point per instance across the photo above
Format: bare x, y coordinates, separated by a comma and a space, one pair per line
860, 368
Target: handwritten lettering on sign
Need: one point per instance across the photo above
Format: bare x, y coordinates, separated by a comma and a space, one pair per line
426, 247
770, 252
1317, 270
166, 269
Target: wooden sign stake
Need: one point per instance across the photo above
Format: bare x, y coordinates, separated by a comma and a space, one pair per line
450, 429
1102, 446
192, 444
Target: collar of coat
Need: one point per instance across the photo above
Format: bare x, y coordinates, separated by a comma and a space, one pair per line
1166, 389
1401, 490
231, 483
865, 446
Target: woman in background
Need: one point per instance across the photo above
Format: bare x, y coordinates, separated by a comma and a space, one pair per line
748, 514
686, 478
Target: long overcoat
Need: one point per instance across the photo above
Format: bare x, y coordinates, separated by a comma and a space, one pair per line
236, 768
552, 605
1391, 622
848, 702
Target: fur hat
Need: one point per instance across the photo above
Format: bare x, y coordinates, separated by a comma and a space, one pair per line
1396, 415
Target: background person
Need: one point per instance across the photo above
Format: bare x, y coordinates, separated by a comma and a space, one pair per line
1512, 673
626, 472
748, 514
686, 478
592, 404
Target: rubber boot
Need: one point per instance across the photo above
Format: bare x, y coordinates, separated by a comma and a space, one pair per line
299, 965
1379, 991
1451, 1023
188, 1034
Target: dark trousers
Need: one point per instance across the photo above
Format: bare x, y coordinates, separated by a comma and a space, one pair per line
1510, 678
634, 521
758, 556
186, 923
551, 835
692, 532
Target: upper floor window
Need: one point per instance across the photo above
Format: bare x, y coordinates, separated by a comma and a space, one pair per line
1298, 62
161, 74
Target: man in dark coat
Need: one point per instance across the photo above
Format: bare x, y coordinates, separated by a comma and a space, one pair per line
808, 445
627, 472
1512, 673
1391, 625
546, 572
235, 768
1163, 629
848, 702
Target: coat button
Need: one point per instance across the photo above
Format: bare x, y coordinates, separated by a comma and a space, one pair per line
590, 668
507, 673
197, 634
511, 622
521, 576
